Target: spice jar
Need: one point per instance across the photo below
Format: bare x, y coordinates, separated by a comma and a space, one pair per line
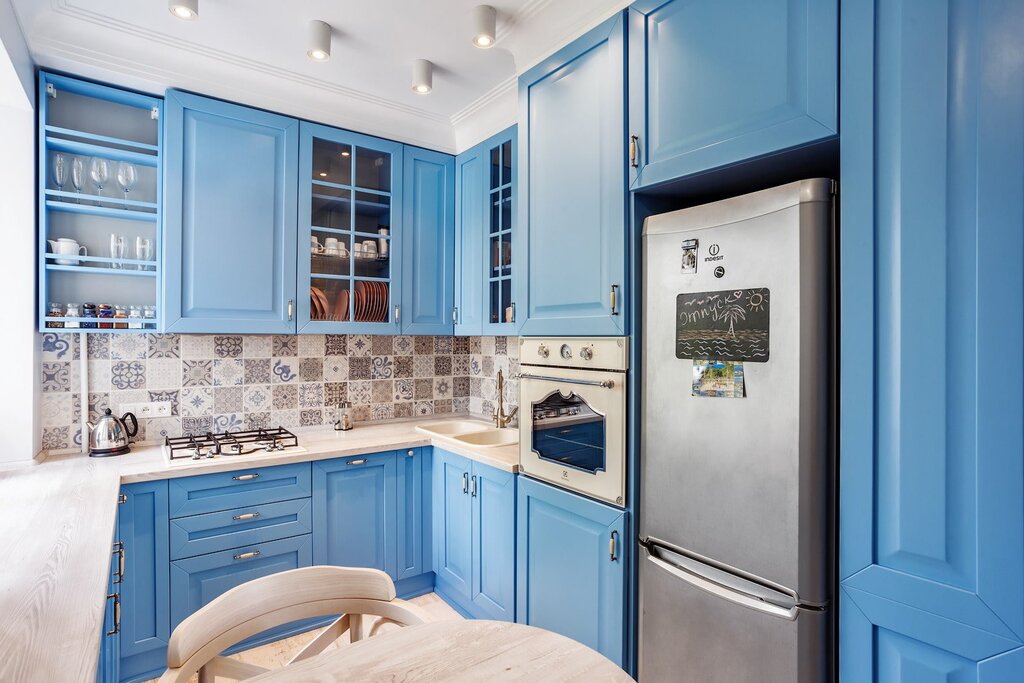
73, 312
149, 317
120, 313
134, 317
105, 311
54, 310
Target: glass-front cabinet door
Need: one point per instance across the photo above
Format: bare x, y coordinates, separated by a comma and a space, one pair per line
349, 227
500, 316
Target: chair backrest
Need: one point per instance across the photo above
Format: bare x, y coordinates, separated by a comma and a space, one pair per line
270, 601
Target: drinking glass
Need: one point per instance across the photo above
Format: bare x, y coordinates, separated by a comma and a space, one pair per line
143, 251
99, 173
127, 176
78, 175
116, 249
60, 171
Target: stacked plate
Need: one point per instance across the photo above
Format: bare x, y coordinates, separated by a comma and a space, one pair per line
371, 301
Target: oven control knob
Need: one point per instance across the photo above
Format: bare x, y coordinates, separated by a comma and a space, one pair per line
565, 351
543, 351
587, 353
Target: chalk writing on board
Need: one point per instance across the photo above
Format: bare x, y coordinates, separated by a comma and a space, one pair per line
728, 325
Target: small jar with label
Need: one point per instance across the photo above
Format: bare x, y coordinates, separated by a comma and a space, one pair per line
104, 311
88, 310
149, 317
135, 317
54, 310
121, 314
72, 311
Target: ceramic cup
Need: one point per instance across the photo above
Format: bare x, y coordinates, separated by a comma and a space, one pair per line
370, 248
314, 245
68, 246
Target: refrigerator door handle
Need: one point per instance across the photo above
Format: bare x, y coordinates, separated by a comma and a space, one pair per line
717, 589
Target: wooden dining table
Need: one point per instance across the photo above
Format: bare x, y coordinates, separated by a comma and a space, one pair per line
471, 650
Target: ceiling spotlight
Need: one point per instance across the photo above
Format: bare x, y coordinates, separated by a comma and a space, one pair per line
319, 41
422, 76
184, 9
485, 19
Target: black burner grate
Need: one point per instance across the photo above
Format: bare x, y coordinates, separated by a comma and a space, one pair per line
229, 443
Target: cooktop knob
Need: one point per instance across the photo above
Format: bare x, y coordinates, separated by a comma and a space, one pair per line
565, 351
543, 351
587, 353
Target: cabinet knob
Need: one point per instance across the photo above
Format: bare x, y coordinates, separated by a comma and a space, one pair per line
410, 453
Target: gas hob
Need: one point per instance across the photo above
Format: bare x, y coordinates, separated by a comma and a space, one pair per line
210, 445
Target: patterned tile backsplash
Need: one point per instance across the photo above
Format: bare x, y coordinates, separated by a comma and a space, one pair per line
232, 382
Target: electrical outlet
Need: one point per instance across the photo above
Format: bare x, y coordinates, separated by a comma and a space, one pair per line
149, 410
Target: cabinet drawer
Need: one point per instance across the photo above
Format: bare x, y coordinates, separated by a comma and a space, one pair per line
213, 531
239, 489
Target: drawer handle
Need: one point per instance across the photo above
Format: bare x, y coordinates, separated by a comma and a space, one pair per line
119, 551
360, 461
246, 516
248, 556
245, 477
116, 597
613, 542
565, 431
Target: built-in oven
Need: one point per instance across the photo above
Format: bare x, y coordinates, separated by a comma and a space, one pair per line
572, 414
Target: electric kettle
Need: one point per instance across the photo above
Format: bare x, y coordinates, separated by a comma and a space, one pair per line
110, 434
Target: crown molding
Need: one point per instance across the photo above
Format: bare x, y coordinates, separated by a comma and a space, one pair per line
484, 100
520, 17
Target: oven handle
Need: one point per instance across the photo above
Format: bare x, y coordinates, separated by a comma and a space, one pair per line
605, 383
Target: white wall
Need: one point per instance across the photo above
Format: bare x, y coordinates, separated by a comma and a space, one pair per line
19, 393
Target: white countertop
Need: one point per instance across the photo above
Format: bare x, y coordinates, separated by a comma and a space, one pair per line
58, 526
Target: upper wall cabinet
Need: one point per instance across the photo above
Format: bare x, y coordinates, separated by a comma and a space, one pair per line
712, 83
572, 181
932, 326
230, 217
428, 236
99, 207
350, 188
487, 272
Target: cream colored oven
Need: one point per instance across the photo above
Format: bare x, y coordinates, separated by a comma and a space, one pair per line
572, 414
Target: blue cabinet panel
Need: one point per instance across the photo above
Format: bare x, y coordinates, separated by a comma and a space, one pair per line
354, 512
932, 478
145, 598
108, 668
230, 490
494, 542
215, 531
567, 580
230, 227
453, 525
470, 212
428, 233
413, 518
713, 83
572, 183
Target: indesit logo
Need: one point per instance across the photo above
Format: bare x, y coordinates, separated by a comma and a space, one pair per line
714, 250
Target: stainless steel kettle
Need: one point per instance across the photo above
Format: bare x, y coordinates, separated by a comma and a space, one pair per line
110, 435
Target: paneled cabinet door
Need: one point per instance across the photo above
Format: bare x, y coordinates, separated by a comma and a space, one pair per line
108, 668
413, 511
713, 83
354, 512
428, 234
145, 594
494, 542
230, 226
570, 567
932, 326
572, 183
453, 525
470, 210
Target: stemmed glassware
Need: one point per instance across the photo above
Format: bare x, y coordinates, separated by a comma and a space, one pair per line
143, 251
60, 171
78, 175
117, 244
99, 173
127, 176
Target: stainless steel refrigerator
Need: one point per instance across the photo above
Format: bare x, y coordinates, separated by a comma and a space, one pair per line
735, 523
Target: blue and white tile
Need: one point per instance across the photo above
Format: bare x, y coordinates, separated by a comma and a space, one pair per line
129, 347
172, 396
55, 376
197, 425
196, 373
257, 370
382, 411
227, 346
197, 346
311, 417
311, 369
381, 367
442, 388
98, 402
119, 401
422, 366
56, 347
403, 345
335, 345
442, 345
127, 374
228, 372
423, 408
196, 401
159, 427
227, 400
99, 374
98, 346
257, 346
311, 395
403, 390
359, 345
312, 346
336, 369
460, 405
360, 392
283, 370
228, 422
55, 409
289, 419
256, 398
164, 345
285, 345
260, 420
55, 438
163, 373
487, 346
460, 365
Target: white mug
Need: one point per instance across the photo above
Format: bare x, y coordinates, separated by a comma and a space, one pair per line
331, 243
314, 245
66, 245
370, 248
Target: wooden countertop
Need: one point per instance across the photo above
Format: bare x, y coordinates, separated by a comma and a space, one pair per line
61, 513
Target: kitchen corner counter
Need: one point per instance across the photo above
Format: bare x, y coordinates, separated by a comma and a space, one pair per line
63, 513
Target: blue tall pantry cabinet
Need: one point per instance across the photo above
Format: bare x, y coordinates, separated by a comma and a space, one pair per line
932, 327
230, 217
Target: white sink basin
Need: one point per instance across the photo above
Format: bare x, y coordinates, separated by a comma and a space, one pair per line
471, 433
452, 428
491, 437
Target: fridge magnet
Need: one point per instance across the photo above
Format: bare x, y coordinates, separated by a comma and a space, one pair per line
728, 325
718, 379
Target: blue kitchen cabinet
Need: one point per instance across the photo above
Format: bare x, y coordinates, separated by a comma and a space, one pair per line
470, 209
350, 232
428, 236
931, 326
474, 531
714, 83
570, 570
108, 668
144, 592
413, 517
355, 512
230, 217
572, 184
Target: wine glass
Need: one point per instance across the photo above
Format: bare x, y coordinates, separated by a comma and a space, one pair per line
127, 176
60, 171
78, 175
117, 244
99, 173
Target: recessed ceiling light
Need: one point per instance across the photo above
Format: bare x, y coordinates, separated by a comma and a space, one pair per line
485, 19
422, 76
184, 9
319, 41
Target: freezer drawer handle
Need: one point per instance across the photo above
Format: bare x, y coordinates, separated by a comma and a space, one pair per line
606, 384
613, 542
722, 592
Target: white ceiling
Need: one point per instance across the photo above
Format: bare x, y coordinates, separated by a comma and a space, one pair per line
254, 51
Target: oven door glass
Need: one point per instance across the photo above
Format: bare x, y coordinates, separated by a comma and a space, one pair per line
567, 431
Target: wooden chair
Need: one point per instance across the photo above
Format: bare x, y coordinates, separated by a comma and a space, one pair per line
278, 599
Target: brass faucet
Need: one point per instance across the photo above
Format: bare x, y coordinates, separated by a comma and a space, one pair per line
501, 420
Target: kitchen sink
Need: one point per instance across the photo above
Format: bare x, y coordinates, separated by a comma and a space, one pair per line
450, 428
471, 433
490, 437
